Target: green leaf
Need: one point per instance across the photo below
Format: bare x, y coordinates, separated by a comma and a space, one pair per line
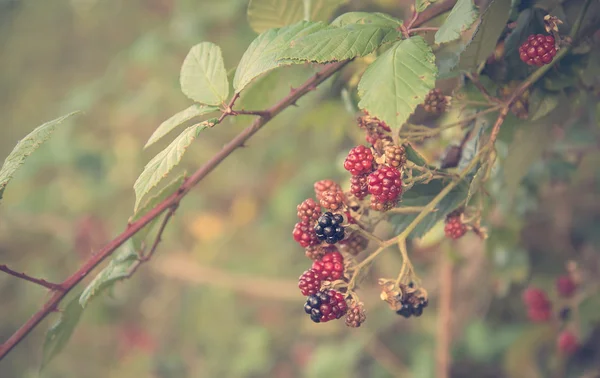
264, 53
541, 103
176, 120
414, 156
203, 77
460, 19
25, 147
59, 334
398, 81
476, 182
166, 160
140, 236
420, 195
493, 22
367, 18
334, 44
267, 14
116, 270
471, 147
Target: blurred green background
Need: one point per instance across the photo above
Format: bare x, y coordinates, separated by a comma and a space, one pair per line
220, 298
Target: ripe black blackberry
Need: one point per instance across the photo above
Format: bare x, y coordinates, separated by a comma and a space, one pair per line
325, 185
309, 211
412, 306
325, 306
359, 187
305, 234
359, 161
395, 156
435, 102
329, 228
332, 199
309, 282
356, 315
538, 50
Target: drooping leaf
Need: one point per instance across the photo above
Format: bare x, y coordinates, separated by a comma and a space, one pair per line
203, 76
116, 270
25, 147
265, 52
60, 332
541, 103
268, 14
420, 195
398, 81
166, 160
167, 126
366, 18
493, 22
140, 236
334, 44
459, 20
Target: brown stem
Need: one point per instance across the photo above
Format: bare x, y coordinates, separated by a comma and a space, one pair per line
444, 318
169, 202
475, 80
23, 276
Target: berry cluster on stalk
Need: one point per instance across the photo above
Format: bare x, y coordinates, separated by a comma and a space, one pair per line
540, 308
405, 299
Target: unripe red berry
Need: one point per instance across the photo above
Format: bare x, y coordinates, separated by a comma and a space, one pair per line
565, 286
454, 228
567, 343
539, 314
325, 185
332, 199
305, 234
309, 211
359, 161
330, 267
536, 298
359, 187
385, 184
309, 282
538, 50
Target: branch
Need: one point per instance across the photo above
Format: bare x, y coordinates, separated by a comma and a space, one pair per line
173, 200
169, 202
444, 318
23, 276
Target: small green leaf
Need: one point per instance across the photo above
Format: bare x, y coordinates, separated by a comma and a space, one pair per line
268, 14
334, 44
166, 160
25, 147
477, 181
116, 270
264, 53
493, 22
59, 334
414, 156
203, 76
460, 19
420, 195
471, 147
398, 81
367, 18
167, 126
541, 103
140, 236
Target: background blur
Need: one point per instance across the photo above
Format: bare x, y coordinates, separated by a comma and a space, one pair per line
220, 298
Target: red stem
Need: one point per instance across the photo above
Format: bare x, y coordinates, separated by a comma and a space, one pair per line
23, 276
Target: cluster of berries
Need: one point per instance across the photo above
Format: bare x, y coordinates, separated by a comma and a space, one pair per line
435, 102
405, 300
319, 233
539, 310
